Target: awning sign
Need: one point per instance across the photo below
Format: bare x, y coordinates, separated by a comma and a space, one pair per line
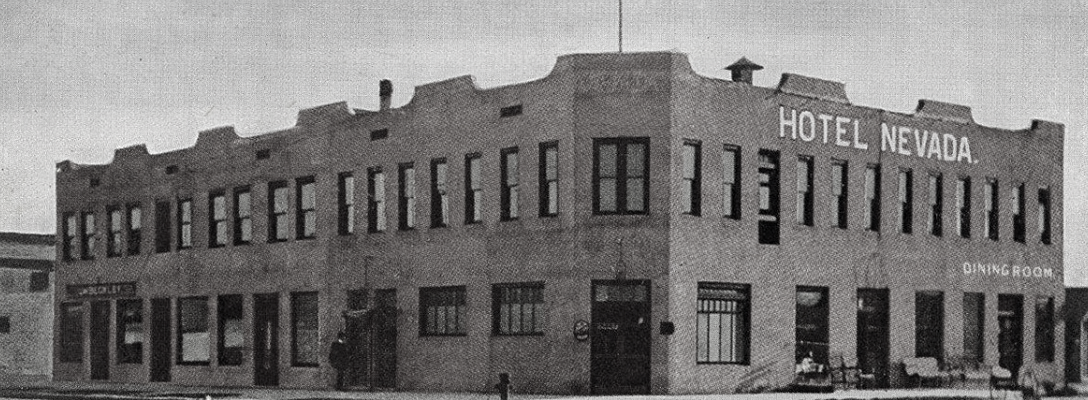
102, 290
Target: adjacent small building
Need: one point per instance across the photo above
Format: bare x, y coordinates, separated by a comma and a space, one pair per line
1075, 314
621, 225
26, 306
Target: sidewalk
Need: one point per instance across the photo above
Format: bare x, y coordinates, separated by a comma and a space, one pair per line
169, 391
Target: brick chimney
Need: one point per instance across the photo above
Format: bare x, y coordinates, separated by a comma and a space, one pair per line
385, 94
742, 70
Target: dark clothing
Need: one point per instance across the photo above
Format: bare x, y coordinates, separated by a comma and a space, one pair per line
338, 358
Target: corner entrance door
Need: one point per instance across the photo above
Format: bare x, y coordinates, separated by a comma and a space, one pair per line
384, 340
620, 348
266, 322
160, 340
100, 340
873, 334
1010, 332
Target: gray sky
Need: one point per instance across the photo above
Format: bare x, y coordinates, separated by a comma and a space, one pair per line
81, 78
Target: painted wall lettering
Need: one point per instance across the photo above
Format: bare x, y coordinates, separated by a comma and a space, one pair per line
1006, 270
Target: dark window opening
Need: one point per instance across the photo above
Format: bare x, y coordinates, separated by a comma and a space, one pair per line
95, 182
232, 330
936, 204
243, 216
510, 111
805, 207
1018, 217
731, 182
1044, 329
963, 204
5, 324
162, 226
71, 332
872, 196
974, 327
768, 197
264, 154
171, 169
1044, 216
305, 336
379, 134
991, 206
345, 203
39, 281
929, 324
812, 326
906, 201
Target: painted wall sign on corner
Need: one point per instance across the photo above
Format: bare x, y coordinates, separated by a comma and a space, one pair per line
809, 126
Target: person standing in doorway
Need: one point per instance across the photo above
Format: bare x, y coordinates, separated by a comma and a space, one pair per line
338, 358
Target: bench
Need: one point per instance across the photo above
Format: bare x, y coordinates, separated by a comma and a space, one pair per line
924, 369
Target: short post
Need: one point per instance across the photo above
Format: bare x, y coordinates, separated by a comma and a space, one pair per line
504, 386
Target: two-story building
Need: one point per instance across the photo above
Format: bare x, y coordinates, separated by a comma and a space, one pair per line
26, 306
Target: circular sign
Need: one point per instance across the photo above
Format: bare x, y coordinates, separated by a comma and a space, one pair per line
581, 330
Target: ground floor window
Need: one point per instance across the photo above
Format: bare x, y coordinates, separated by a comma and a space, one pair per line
305, 351
71, 332
974, 322
722, 323
130, 331
929, 324
193, 342
812, 326
231, 330
517, 309
442, 311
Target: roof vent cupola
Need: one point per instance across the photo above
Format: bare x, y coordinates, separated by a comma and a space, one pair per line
742, 70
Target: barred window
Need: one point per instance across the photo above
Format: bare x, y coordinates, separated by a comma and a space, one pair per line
518, 309
442, 311
722, 323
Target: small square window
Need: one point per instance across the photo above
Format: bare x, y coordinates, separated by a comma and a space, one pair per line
171, 169
510, 111
5, 324
264, 154
379, 134
95, 182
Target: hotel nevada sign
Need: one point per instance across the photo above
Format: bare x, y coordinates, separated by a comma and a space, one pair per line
101, 290
843, 131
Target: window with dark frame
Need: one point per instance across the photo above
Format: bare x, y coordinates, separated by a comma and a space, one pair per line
1044, 215
440, 197
71, 332
805, 208
163, 224
375, 203
929, 324
872, 196
722, 326
936, 204
621, 175
130, 331
963, 206
474, 189
990, 207
1018, 217
906, 201
277, 211
231, 331
217, 219
305, 336
243, 215
71, 236
193, 341
974, 327
1044, 329
731, 182
840, 185
691, 195
812, 324
185, 223
305, 208
87, 236
442, 311
135, 227
5, 324
508, 187
549, 179
406, 196
517, 309
115, 239
769, 210
345, 203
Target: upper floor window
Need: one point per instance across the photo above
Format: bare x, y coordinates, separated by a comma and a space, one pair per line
406, 194
185, 223
87, 239
692, 174
1044, 215
963, 205
305, 208
936, 204
839, 193
872, 196
804, 190
549, 179
71, 232
621, 175
135, 225
768, 226
906, 201
508, 189
162, 226
243, 216
345, 203
731, 182
1018, 218
115, 240
474, 189
217, 219
375, 207
277, 211
440, 198
990, 206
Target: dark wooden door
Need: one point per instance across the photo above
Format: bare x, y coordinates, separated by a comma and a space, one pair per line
1010, 334
384, 342
266, 315
100, 340
620, 347
873, 334
160, 340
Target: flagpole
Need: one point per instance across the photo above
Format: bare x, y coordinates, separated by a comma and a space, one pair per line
621, 26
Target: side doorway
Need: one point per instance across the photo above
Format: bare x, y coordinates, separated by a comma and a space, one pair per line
266, 317
620, 340
160, 340
100, 340
873, 346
